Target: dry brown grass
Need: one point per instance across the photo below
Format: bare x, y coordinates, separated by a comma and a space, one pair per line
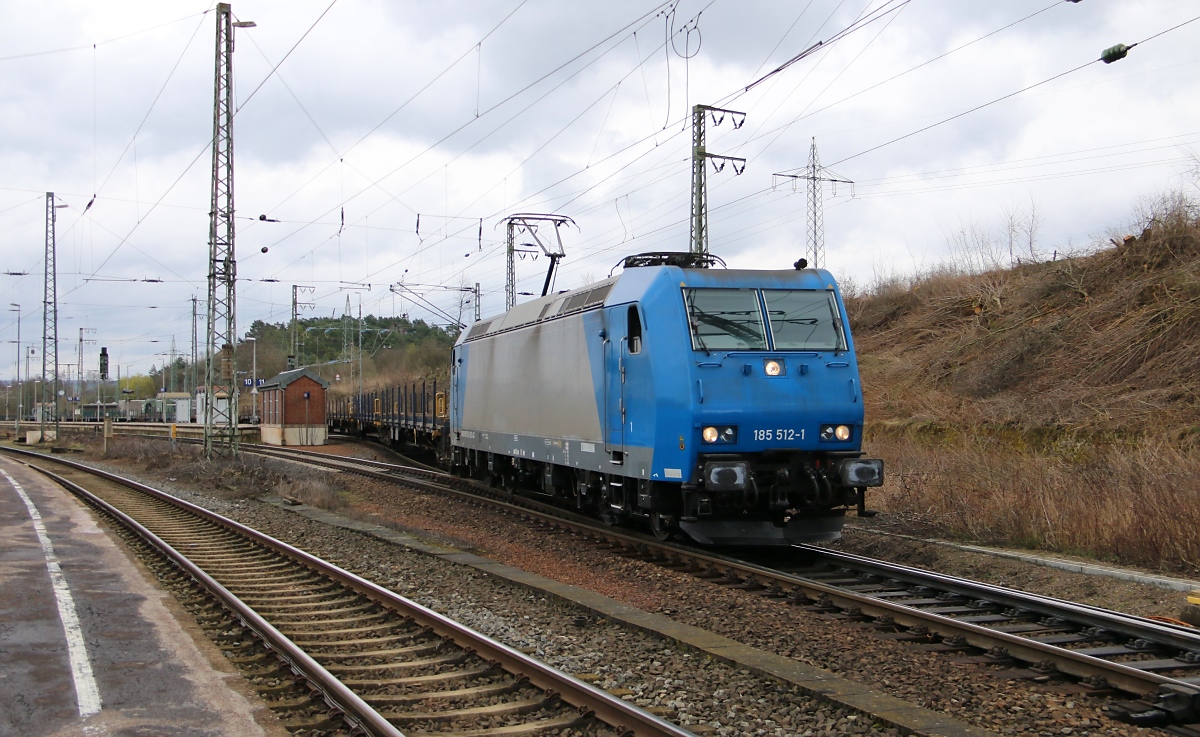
1108, 341
1053, 405
318, 490
1129, 504
243, 477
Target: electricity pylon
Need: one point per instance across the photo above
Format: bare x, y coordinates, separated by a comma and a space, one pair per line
816, 175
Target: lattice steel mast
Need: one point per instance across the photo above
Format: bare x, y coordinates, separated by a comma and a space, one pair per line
191, 372
220, 422
295, 360
700, 157
50, 326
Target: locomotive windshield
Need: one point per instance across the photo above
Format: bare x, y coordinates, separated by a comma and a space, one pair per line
732, 320
804, 320
725, 319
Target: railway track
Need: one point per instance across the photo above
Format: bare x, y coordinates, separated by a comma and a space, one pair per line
330, 650
1091, 650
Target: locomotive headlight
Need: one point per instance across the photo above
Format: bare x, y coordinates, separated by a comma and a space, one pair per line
772, 367
835, 433
719, 434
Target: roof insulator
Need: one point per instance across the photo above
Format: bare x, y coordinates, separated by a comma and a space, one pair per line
1114, 53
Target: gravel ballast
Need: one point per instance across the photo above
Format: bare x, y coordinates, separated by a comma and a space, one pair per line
689, 688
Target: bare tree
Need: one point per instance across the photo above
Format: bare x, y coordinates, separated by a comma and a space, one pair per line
1013, 225
1032, 226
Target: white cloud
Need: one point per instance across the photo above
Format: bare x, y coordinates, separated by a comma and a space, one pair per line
569, 143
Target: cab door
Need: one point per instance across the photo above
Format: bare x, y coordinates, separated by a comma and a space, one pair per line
615, 352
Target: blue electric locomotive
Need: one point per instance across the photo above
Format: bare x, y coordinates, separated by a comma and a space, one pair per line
721, 403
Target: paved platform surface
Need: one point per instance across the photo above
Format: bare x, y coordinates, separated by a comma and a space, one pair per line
88, 645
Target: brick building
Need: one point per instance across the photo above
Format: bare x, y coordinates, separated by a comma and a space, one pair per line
293, 409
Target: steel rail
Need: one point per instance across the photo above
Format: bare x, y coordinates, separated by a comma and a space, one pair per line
1118, 675
351, 707
626, 718
1183, 638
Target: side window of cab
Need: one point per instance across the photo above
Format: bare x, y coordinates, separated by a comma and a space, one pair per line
634, 330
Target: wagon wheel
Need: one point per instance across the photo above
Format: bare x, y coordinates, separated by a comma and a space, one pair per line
509, 483
663, 526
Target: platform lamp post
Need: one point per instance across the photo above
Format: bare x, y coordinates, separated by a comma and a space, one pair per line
253, 380
14, 307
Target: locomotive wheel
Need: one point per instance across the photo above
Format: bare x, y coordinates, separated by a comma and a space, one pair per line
663, 526
609, 516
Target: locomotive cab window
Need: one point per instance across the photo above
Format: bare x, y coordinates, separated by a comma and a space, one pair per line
725, 320
634, 330
804, 320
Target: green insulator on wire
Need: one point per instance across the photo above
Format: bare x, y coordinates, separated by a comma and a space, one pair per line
1114, 53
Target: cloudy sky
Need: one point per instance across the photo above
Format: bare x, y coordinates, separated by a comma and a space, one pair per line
358, 119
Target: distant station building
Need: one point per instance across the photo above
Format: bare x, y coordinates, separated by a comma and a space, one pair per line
293, 409
220, 398
174, 406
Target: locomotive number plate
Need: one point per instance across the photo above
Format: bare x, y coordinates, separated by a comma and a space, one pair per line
779, 433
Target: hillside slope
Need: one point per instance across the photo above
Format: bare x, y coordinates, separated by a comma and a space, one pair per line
1054, 405
1108, 342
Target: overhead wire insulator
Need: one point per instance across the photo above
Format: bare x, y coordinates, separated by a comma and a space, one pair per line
1114, 53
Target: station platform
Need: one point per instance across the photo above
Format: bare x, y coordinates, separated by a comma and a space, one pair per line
248, 433
89, 645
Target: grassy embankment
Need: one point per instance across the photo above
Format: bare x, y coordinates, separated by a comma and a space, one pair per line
1053, 405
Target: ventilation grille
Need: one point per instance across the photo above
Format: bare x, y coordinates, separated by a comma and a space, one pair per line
583, 299
479, 329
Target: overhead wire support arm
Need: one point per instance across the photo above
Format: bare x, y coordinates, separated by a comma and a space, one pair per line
527, 223
700, 155
402, 287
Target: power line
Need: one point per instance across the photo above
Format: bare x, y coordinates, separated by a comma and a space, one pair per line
857, 25
153, 102
471, 121
207, 147
780, 129
1120, 49
102, 43
285, 58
